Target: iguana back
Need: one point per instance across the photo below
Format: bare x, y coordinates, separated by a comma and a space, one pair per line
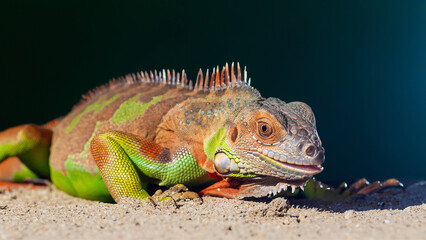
128, 105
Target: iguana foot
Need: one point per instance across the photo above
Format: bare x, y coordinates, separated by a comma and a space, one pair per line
176, 193
316, 189
363, 187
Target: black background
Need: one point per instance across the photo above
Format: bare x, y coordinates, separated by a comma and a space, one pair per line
361, 65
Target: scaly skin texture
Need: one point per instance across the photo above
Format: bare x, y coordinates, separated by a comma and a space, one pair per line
156, 128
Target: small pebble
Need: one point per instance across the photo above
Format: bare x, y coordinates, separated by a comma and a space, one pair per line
349, 214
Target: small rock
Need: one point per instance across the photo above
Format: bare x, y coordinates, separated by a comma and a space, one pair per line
277, 207
349, 214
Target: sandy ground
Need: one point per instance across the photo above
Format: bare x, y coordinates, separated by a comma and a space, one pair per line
48, 213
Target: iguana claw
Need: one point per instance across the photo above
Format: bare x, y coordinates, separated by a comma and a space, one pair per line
363, 187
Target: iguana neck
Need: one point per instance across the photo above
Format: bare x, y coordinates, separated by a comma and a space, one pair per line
197, 118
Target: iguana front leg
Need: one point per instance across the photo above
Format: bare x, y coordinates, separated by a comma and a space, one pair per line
30, 143
128, 162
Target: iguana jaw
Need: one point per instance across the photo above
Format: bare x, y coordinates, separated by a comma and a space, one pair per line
255, 164
241, 182
259, 186
263, 186
266, 185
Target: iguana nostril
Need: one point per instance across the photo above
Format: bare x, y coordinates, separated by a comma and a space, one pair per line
310, 151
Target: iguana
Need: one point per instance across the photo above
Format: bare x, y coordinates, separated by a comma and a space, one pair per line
158, 128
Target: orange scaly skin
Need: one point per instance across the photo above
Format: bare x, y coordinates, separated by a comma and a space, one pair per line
156, 128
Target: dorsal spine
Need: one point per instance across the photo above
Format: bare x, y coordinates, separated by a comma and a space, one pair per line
216, 81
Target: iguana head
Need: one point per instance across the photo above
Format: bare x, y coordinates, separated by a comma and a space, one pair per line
270, 146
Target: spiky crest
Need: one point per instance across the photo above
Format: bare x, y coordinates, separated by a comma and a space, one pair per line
216, 81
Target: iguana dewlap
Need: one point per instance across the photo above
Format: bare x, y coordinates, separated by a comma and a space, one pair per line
156, 128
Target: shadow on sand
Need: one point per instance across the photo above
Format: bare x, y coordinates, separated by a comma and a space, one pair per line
414, 194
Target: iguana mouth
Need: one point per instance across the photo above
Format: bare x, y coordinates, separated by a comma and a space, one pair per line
309, 169
304, 169
281, 163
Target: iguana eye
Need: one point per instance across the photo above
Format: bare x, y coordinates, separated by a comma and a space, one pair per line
265, 130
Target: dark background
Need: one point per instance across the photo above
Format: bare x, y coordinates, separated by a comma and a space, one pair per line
361, 65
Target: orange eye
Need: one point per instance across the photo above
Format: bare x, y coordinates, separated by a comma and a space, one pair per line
265, 130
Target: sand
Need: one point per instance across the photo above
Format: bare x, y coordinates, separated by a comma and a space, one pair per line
47, 213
